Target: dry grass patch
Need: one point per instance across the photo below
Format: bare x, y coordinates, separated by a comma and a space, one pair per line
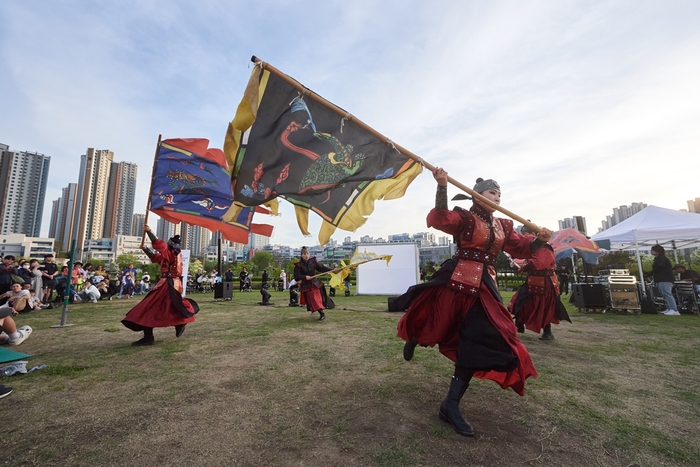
252, 385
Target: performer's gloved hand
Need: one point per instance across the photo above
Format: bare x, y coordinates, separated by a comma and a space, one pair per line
544, 235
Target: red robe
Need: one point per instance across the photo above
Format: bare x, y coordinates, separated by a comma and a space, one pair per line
436, 315
542, 289
164, 305
312, 293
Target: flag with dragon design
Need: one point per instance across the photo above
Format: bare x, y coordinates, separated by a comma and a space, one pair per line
280, 144
192, 184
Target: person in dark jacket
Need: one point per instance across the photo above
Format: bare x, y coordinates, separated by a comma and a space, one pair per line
6, 271
687, 274
663, 278
313, 293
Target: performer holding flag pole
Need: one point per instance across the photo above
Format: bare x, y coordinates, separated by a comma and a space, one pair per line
460, 308
164, 305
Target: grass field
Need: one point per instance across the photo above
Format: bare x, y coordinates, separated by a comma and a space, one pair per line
255, 385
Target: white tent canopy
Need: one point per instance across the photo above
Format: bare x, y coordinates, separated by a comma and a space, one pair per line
654, 225
650, 226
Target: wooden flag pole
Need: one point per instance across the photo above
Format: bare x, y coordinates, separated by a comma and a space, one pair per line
150, 192
307, 92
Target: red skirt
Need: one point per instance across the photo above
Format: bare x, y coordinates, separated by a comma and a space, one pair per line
156, 310
312, 299
537, 312
436, 315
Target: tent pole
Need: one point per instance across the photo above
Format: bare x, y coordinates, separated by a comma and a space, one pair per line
639, 264
675, 251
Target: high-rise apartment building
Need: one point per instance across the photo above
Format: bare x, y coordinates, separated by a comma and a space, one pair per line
694, 205
621, 213
257, 242
93, 185
137, 223
121, 193
63, 216
575, 222
165, 229
195, 238
23, 179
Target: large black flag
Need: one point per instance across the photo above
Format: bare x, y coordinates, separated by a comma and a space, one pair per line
282, 145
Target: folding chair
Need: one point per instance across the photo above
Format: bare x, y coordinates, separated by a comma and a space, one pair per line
686, 297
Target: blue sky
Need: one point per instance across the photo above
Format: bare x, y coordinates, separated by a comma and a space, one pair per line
574, 107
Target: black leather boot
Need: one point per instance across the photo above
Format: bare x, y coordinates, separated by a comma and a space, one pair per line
147, 339
520, 326
323, 315
408, 348
449, 408
179, 329
547, 333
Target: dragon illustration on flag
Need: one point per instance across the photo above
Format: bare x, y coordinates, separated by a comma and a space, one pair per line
192, 184
282, 145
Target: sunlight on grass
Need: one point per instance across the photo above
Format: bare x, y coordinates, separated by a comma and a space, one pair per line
244, 378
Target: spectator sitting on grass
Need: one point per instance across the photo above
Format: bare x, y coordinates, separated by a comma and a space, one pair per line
6, 271
89, 293
61, 284
34, 302
107, 289
17, 299
9, 334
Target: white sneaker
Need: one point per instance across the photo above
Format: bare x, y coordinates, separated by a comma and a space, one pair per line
671, 313
24, 332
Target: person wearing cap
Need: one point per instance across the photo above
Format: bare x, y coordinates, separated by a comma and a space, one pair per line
460, 308
312, 291
536, 304
687, 274
164, 305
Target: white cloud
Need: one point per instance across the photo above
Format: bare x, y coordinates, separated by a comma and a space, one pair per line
574, 108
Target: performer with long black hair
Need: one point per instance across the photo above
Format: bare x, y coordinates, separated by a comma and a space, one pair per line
460, 308
536, 305
312, 291
164, 305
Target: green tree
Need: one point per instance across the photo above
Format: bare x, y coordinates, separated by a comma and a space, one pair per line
262, 260
95, 263
123, 261
209, 266
695, 260
153, 270
615, 258
195, 266
289, 268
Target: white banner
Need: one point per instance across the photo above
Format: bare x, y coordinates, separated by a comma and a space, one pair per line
185, 270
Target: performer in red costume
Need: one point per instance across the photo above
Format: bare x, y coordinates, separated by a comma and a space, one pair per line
460, 308
164, 305
536, 305
313, 293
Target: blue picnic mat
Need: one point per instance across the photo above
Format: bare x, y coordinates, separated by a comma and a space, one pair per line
7, 355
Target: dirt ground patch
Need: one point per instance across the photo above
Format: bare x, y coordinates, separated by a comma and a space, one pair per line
248, 385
